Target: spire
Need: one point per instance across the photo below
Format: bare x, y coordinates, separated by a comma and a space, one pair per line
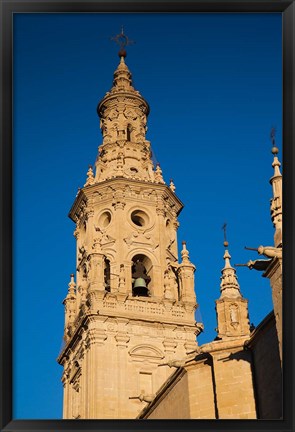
231, 307
122, 75
158, 174
186, 272
70, 305
122, 78
90, 177
172, 185
229, 286
277, 201
125, 151
72, 286
185, 254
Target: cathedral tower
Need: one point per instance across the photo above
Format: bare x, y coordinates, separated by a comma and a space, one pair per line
132, 305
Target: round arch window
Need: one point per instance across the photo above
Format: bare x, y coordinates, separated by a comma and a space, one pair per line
139, 218
104, 219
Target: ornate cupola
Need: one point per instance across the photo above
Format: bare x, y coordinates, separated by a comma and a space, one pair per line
231, 307
133, 304
123, 112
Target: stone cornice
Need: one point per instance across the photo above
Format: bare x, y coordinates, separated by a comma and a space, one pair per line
110, 97
80, 201
224, 345
143, 310
120, 183
146, 309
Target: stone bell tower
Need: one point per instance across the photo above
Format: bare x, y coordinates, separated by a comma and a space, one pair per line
132, 305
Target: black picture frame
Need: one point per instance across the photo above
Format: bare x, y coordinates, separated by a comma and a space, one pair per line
8, 8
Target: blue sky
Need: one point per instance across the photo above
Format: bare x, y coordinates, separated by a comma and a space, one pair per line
213, 82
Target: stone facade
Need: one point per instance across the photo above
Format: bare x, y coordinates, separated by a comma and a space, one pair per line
188, 394
267, 369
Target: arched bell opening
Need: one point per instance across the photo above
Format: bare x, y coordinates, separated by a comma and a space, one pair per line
129, 133
141, 275
107, 274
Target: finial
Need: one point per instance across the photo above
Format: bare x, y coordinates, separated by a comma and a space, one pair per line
122, 40
172, 185
158, 174
225, 243
72, 285
229, 284
185, 253
276, 163
90, 176
274, 149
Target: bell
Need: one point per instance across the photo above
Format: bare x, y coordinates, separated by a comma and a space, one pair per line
140, 288
139, 283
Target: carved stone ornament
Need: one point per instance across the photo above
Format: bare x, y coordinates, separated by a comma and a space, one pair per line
233, 312
122, 339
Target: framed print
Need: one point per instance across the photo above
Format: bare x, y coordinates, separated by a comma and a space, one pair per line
145, 148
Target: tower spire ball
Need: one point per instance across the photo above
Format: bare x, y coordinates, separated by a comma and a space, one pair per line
122, 40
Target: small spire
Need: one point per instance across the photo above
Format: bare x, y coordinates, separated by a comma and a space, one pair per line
158, 174
185, 253
229, 286
227, 258
122, 77
276, 164
172, 185
276, 205
90, 176
72, 285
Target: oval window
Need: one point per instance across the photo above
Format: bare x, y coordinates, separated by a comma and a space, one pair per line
104, 219
139, 218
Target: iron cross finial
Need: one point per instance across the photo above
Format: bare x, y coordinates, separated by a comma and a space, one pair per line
274, 149
122, 40
273, 136
225, 243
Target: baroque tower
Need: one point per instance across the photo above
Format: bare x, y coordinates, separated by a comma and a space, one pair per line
132, 304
